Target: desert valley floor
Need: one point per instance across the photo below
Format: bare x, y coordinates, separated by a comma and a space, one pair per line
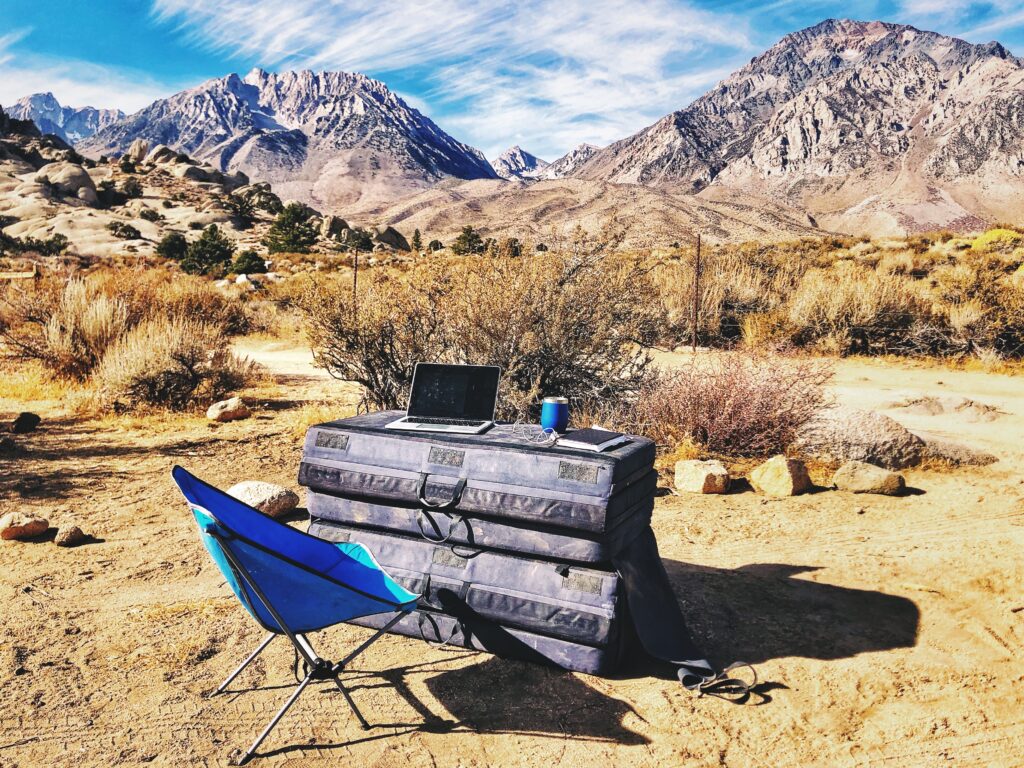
887, 631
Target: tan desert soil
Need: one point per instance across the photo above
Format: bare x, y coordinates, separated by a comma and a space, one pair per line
888, 631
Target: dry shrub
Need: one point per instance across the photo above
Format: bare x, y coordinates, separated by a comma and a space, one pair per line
170, 363
733, 404
68, 327
574, 324
853, 309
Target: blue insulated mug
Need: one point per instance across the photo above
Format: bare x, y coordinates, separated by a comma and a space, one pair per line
554, 414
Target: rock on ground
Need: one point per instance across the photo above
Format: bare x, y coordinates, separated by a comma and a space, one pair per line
138, 150
860, 477
268, 498
701, 477
70, 536
849, 434
25, 422
66, 178
228, 410
780, 476
15, 525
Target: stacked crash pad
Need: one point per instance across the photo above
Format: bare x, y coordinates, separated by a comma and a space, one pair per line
521, 549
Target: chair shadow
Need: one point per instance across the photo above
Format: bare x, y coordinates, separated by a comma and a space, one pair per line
759, 612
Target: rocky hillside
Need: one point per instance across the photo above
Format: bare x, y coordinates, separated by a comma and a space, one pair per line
71, 124
122, 208
867, 125
517, 163
567, 164
330, 139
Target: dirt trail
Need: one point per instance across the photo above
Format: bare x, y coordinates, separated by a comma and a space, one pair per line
889, 631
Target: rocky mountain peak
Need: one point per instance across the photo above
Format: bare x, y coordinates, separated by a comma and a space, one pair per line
330, 139
68, 123
517, 163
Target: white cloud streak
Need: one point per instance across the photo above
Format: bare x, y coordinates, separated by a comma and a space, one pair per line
543, 73
988, 16
74, 83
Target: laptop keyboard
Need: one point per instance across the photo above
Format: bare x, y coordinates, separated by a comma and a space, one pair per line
454, 422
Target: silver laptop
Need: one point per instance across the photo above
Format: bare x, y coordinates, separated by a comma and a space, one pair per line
451, 398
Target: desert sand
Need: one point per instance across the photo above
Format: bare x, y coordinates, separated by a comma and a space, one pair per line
886, 631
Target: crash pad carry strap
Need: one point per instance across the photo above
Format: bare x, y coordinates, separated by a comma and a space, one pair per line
457, 490
660, 626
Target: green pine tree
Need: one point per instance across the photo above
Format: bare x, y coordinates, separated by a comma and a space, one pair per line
292, 231
417, 241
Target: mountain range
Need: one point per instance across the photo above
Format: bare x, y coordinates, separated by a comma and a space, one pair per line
846, 126
71, 124
331, 139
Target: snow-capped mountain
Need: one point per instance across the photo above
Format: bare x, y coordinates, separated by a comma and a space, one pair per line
69, 123
517, 163
569, 162
331, 139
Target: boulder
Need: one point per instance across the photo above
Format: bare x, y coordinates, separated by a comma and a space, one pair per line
15, 525
70, 536
228, 410
860, 477
268, 498
234, 180
332, 226
391, 236
66, 178
190, 172
137, 150
24, 423
780, 476
87, 196
701, 477
160, 154
848, 434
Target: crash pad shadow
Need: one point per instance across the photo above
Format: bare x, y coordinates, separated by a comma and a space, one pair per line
760, 612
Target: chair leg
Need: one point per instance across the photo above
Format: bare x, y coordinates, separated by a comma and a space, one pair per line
277, 717
352, 705
246, 663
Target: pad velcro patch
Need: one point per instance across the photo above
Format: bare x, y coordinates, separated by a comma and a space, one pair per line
583, 582
581, 473
332, 440
448, 457
444, 556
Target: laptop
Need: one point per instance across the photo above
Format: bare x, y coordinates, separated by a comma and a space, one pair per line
451, 398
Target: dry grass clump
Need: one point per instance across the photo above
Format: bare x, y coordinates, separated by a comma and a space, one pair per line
576, 324
172, 363
732, 404
124, 321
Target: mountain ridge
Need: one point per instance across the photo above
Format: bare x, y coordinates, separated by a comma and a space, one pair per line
68, 123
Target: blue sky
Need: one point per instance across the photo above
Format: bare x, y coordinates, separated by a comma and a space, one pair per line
545, 74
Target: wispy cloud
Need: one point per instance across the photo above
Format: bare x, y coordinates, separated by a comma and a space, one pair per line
543, 73
970, 19
74, 83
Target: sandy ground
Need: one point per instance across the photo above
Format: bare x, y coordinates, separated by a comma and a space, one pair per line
888, 631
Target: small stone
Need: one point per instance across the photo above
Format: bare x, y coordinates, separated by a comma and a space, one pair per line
861, 477
15, 525
70, 536
228, 410
701, 477
780, 476
268, 498
24, 423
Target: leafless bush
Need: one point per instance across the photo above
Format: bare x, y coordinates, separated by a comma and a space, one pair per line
171, 363
573, 324
733, 404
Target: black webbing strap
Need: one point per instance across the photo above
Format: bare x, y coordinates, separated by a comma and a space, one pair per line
460, 486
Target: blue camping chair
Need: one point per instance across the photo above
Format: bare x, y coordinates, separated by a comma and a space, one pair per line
291, 583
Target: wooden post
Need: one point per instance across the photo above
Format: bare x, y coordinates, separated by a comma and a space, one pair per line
355, 284
696, 295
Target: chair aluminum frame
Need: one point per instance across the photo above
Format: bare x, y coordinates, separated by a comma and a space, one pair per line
318, 667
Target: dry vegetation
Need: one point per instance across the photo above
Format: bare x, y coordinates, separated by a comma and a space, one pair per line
578, 319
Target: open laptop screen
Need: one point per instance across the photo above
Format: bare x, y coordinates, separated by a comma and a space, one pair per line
454, 391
